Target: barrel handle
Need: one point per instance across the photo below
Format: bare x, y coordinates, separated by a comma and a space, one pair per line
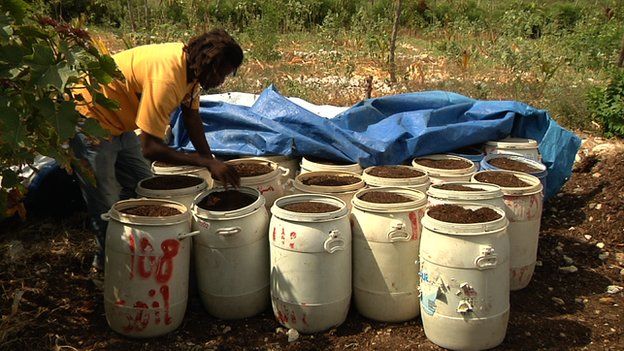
398, 233
487, 260
105, 217
334, 243
285, 171
188, 235
228, 231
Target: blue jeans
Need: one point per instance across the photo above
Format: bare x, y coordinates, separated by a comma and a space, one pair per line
118, 165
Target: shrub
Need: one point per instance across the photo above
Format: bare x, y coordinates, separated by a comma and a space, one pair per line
607, 104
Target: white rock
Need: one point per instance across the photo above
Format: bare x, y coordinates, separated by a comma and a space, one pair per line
227, 329
558, 301
578, 300
596, 175
367, 329
619, 257
292, 335
598, 206
568, 260
600, 245
592, 205
539, 263
622, 272
614, 289
587, 237
568, 269
280, 330
603, 256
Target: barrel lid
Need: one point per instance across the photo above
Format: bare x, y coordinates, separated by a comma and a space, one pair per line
384, 181
435, 172
514, 143
327, 189
115, 212
487, 191
534, 187
314, 163
418, 200
227, 215
278, 211
467, 228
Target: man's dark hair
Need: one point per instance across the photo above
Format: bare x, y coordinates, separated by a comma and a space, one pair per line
211, 50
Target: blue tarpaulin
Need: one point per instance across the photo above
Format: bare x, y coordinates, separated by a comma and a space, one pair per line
382, 131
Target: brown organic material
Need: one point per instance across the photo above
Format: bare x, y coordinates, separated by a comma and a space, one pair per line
151, 211
252, 169
330, 180
169, 182
444, 164
456, 187
163, 164
459, 214
310, 207
228, 200
395, 172
504, 179
512, 165
383, 197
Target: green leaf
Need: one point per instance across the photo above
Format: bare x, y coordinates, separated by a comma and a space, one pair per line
16, 8
65, 120
42, 55
101, 76
57, 76
5, 33
11, 54
108, 65
11, 126
9, 178
105, 102
92, 127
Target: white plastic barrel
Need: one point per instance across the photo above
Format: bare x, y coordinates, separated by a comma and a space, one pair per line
146, 269
270, 185
232, 257
524, 210
183, 195
487, 194
311, 164
386, 237
161, 168
310, 264
420, 183
514, 146
464, 282
438, 175
343, 192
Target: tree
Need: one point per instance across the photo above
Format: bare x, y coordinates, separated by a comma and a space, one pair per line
395, 29
41, 62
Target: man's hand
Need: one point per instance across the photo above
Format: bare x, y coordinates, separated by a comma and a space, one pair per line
222, 172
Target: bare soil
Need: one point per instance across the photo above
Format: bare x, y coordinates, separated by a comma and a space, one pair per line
395, 172
503, 179
151, 211
228, 200
459, 214
443, 164
252, 169
50, 300
384, 197
455, 187
170, 182
310, 207
327, 180
512, 165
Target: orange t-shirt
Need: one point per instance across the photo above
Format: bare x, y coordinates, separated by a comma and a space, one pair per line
155, 85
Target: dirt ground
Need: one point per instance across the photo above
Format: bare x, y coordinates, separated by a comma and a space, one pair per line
49, 299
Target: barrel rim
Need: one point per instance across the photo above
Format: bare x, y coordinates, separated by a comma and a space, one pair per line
383, 181
514, 143
352, 167
168, 193
543, 170
494, 192
116, 214
419, 197
176, 169
255, 180
284, 214
467, 229
227, 215
323, 189
535, 186
439, 172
